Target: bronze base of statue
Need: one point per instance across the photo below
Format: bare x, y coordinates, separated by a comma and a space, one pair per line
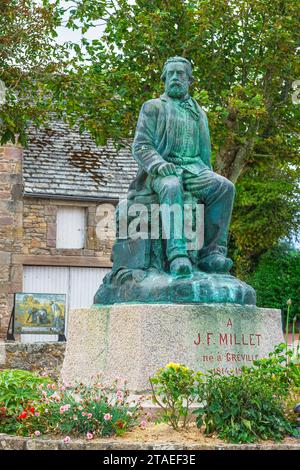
139, 286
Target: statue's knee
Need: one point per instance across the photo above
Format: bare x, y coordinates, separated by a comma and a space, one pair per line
229, 186
224, 183
170, 184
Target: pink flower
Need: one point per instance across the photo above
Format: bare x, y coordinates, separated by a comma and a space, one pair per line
120, 395
143, 424
83, 413
37, 433
67, 439
64, 408
107, 417
41, 386
48, 385
55, 396
53, 386
44, 394
37, 414
62, 388
46, 410
89, 435
89, 415
74, 418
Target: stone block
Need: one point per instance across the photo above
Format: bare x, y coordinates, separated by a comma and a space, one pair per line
51, 231
4, 273
7, 220
51, 243
50, 210
12, 152
5, 257
12, 443
40, 444
17, 191
2, 353
17, 274
134, 340
4, 194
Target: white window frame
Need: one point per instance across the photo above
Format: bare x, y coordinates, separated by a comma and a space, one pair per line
71, 227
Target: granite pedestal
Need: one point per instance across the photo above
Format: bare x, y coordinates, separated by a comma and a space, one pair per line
133, 340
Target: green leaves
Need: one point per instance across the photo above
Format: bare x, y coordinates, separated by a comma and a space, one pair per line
276, 279
250, 406
19, 387
31, 404
245, 61
29, 56
174, 388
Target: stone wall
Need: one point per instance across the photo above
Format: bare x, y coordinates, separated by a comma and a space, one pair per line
11, 228
41, 357
132, 442
40, 229
28, 228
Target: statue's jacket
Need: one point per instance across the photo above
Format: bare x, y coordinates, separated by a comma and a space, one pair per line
156, 134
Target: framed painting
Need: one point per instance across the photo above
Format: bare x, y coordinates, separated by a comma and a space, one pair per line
39, 313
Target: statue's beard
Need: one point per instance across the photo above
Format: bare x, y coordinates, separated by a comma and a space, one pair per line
177, 90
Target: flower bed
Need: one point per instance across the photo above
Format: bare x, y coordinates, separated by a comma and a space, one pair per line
38, 407
253, 406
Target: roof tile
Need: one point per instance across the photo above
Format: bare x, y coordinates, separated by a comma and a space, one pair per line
59, 161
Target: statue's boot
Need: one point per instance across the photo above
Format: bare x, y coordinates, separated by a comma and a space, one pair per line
181, 267
215, 263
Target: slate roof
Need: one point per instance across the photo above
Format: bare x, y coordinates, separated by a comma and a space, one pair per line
60, 161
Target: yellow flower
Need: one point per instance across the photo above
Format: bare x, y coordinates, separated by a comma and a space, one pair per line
176, 367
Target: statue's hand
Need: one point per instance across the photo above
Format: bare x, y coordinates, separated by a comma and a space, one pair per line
167, 169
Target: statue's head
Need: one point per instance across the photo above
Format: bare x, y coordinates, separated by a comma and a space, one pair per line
177, 76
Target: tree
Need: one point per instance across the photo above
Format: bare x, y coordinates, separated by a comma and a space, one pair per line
245, 61
266, 209
276, 279
29, 54
244, 54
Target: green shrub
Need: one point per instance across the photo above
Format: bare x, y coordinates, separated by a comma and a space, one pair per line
276, 279
174, 389
251, 406
281, 369
83, 410
19, 389
242, 409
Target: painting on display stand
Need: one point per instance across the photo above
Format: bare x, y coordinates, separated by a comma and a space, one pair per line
39, 313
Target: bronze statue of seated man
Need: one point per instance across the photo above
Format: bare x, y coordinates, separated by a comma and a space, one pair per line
173, 150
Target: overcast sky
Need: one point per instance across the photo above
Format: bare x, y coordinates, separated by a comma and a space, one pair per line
65, 34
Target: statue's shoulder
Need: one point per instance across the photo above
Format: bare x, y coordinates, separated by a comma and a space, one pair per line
152, 106
198, 107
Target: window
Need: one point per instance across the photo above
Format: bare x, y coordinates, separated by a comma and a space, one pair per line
70, 227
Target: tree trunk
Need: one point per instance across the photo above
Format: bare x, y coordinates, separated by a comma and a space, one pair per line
232, 158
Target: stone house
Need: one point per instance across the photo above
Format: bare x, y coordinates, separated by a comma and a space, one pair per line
53, 194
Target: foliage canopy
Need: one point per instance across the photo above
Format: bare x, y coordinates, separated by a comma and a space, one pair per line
245, 62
